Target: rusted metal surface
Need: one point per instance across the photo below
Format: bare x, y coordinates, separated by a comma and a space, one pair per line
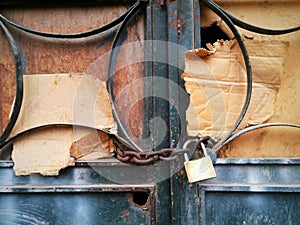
128, 78
89, 55
148, 157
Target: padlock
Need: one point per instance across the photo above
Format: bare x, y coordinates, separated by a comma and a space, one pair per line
200, 169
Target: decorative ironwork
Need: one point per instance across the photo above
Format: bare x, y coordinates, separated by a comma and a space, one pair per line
132, 153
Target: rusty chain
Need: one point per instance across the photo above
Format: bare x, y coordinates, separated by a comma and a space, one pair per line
127, 155
143, 158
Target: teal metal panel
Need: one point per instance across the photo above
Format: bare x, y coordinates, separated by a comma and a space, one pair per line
79, 195
71, 207
251, 191
259, 208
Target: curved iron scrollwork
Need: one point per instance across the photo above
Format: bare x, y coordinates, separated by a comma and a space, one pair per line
259, 126
110, 86
20, 70
243, 48
247, 26
68, 36
134, 153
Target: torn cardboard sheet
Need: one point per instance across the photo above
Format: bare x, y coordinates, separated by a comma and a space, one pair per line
217, 86
43, 152
57, 99
94, 145
65, 98
48, 150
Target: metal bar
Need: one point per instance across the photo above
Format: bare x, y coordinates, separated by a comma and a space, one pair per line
164, 199
219, 161
68, 36
20, 70
197, 24
212, 6
157, 71
251, 188
6, 163
258, 161
188, 17
111, 71
174, 122
148, 142
75, 188
58, 3
188, 39
160, 76
173, 51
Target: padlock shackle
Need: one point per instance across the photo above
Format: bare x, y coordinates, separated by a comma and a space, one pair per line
188, 142
203, 149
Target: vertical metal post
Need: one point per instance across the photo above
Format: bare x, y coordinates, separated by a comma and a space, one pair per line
170, 27
157, 106
188, 37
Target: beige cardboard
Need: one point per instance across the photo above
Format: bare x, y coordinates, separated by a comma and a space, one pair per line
45, 152
217, 86
272, 142
96, 144
64, 99
48, 150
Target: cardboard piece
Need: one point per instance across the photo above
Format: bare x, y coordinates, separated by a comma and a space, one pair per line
216, 83
65, 98
94, 145
45, 152
62, 99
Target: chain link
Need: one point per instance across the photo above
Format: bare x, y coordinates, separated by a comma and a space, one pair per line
127, 155
143, 158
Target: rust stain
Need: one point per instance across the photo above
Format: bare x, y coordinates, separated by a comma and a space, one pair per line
181, 174
174, 24
126, 213
197, 17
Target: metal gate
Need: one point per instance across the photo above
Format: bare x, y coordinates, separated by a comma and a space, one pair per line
107, 191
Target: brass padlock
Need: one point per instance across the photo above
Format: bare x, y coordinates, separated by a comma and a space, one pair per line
200, 169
